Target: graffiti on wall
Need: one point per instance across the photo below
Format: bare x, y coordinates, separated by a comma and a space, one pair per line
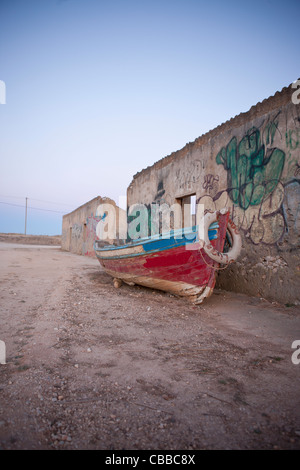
255, 190
252, 171
90, 236
186, 178
149, 222
76, 230
211, 183
263, 223
292, 137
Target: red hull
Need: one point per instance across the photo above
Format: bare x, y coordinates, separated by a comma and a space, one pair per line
178, 269
177, 265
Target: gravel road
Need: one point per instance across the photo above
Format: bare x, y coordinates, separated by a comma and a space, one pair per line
90, 366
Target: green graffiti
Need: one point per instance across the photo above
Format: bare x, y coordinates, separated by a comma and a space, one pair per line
292, 138
270, 131
252, 172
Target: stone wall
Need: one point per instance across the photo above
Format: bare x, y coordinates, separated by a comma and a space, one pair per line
79, 227
250, 164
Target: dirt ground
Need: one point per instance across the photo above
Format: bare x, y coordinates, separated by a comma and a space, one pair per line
90, 366
30, 239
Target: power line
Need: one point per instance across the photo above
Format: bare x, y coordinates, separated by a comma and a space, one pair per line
12, 197
10, 204
34, 208
38, 200
51, 202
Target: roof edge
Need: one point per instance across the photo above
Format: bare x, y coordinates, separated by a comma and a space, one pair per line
100, 198
261, 107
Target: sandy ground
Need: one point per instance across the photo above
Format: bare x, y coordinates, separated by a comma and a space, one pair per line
94, 367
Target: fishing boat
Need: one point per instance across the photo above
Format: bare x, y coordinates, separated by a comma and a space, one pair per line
180, 262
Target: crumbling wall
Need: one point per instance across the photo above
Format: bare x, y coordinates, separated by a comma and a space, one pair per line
250, 164
79, 227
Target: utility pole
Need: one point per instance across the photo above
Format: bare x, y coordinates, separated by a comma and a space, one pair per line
26, 215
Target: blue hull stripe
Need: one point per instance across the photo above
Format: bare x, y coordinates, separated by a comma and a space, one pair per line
163, 242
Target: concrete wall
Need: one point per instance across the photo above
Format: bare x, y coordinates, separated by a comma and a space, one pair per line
79, 227
250, 164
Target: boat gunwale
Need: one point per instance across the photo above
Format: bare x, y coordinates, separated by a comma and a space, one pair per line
143, 253
161, 236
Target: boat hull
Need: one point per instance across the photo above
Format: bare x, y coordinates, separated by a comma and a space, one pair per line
167, 264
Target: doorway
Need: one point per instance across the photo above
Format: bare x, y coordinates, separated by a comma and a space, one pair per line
188, 210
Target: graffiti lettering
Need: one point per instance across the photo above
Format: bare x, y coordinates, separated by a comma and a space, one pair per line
210, 183
185, 179
76, 230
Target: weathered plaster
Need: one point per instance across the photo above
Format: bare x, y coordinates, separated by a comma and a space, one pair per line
79, 227
250, 164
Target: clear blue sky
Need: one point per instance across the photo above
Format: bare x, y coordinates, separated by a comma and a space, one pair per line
97, 90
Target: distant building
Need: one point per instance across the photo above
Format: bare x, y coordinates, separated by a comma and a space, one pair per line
79, 226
